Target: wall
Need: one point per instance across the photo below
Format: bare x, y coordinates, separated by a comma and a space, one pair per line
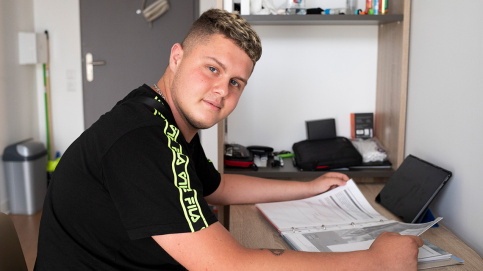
21, 86
305, 73
62, 20
18, 100
444, 124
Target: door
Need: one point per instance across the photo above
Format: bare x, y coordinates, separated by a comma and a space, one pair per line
124, 50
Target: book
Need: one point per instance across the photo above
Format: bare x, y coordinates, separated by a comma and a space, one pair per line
373, 165
340, 220
362, 125
431, 256
320, 129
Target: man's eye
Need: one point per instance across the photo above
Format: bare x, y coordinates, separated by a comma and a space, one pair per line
234, 83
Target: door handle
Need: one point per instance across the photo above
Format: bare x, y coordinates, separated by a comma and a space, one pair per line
90, 66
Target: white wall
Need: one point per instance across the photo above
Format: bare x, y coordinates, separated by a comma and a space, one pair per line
21, 86
306, 73
18, 101
445, 112
62, 20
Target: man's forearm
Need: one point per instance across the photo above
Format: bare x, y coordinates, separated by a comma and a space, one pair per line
276, 259
214, 248
240, 189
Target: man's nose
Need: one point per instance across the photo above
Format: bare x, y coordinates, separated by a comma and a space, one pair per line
221, 87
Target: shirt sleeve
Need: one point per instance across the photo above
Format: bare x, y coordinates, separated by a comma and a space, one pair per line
154, 185
207, 172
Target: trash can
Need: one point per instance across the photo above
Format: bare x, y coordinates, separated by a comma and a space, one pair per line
25, 166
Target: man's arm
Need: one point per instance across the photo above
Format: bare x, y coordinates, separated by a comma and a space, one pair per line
239, 189
214, 248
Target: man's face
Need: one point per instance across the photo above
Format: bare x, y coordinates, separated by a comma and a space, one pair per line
209, 80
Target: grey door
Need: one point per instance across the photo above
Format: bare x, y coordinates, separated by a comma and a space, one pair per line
128, 50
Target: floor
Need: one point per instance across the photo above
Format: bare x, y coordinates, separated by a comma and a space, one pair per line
27, 227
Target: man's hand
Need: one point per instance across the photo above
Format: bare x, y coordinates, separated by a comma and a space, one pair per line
395, 251
327, 182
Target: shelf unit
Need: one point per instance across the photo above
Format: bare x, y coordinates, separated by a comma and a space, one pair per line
391, 90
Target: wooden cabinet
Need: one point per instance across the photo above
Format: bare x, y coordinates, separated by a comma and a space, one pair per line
392, 73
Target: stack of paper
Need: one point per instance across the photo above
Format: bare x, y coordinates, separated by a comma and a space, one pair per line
341, 220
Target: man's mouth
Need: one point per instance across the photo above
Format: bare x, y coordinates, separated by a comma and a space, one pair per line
213, 104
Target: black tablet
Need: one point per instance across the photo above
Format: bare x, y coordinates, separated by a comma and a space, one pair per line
412, 187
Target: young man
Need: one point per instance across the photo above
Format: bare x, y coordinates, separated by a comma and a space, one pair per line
132, 192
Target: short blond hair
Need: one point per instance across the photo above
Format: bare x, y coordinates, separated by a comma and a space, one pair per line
231, 25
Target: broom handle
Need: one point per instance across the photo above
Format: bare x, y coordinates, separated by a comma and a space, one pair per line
48, 111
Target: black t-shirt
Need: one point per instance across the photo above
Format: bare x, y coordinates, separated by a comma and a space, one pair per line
130, 176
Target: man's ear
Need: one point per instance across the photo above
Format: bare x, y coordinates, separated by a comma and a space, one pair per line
175, 56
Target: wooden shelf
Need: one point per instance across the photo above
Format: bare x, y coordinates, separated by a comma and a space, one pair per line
315, 19
391, 86
289, 171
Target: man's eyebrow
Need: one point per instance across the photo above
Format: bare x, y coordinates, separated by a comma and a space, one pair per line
217, 62
224, 68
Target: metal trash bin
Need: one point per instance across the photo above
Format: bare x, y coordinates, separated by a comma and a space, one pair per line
25, 166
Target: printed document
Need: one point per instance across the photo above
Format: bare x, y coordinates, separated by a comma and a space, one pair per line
336, 221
